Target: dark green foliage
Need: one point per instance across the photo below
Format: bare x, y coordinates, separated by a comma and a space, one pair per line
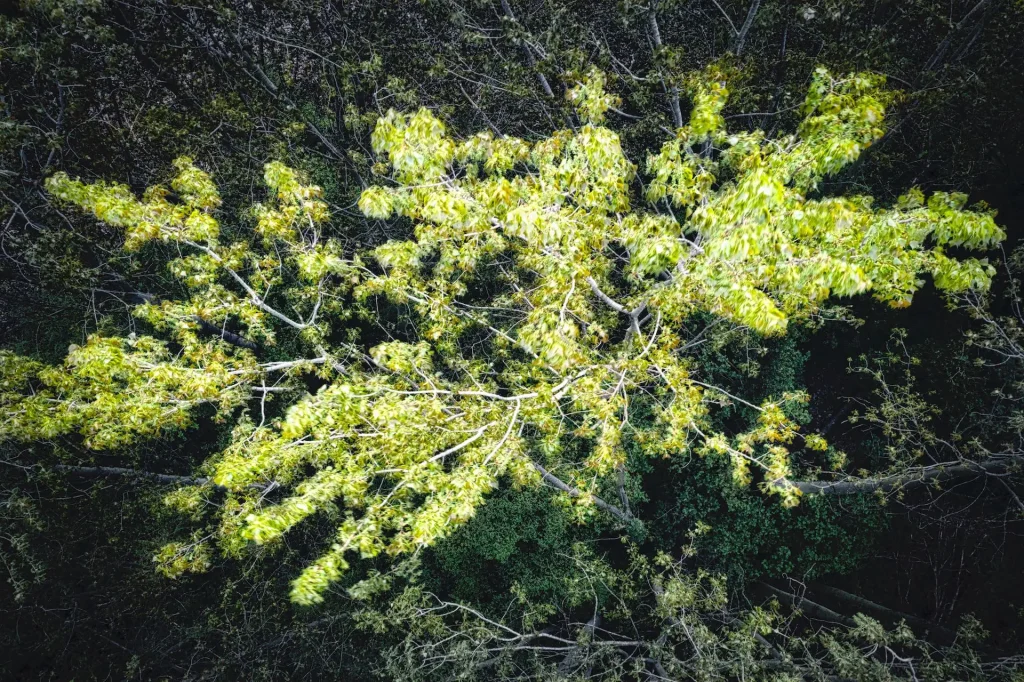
750, 538
518, 539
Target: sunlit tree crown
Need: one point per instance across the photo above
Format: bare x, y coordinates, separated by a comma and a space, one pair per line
550, 285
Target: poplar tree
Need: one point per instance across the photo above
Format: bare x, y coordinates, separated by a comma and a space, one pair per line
552, 293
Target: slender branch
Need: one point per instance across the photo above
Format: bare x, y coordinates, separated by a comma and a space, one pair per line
288, 364
204, 325
164, 479
741, 36
940, 51
477, 435
810, 608
555, 482
727, 17
608, 300
726, 394
621, 484
481, 394
277, 94
527, 52
634, 314
868, 605
479, 111
230, 337
846, 409
1012, 494
907, 480
103, 472
256, 299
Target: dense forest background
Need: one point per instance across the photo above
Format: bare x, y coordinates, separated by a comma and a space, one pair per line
116, 90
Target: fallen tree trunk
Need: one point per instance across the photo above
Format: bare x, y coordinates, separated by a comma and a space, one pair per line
907, 480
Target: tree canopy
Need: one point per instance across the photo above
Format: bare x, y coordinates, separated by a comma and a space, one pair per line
602, 323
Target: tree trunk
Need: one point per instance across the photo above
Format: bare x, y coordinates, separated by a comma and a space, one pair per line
135, 474
670, 91
907, 480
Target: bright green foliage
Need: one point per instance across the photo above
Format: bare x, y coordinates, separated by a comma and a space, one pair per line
154, 217
289, 249
546, 304
591, 100
112, 391
438, 452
